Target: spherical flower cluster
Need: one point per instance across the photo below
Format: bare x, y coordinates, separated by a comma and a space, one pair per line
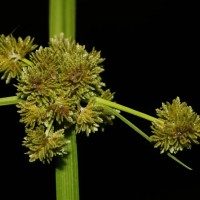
56, 90
178, 127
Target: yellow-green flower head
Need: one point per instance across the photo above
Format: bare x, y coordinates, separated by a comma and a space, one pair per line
12, 53
63, 66
33, 115
79, 69
93, 117
61, 78
178, 127
43, 146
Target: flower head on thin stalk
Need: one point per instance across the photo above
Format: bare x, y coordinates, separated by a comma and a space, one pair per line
178, 128
12, 53
59, 86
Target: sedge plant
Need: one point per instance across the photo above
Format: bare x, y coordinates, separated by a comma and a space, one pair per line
60, 93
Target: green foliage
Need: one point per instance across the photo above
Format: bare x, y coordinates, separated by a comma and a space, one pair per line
178, 128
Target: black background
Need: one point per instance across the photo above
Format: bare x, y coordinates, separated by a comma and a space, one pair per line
151, 57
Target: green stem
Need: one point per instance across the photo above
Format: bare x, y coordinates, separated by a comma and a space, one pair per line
49, 127
180, 162
4, 101
67, 179
127, 122
62, 19
142, 134
125, 109
26, 61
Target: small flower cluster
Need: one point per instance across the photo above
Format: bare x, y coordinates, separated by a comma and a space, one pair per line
12, 53
178, 127
44, 146
56, 91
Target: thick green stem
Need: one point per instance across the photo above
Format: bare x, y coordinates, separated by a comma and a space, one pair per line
62, 19
67, 181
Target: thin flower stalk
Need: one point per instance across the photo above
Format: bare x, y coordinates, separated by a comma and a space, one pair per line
139, 131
